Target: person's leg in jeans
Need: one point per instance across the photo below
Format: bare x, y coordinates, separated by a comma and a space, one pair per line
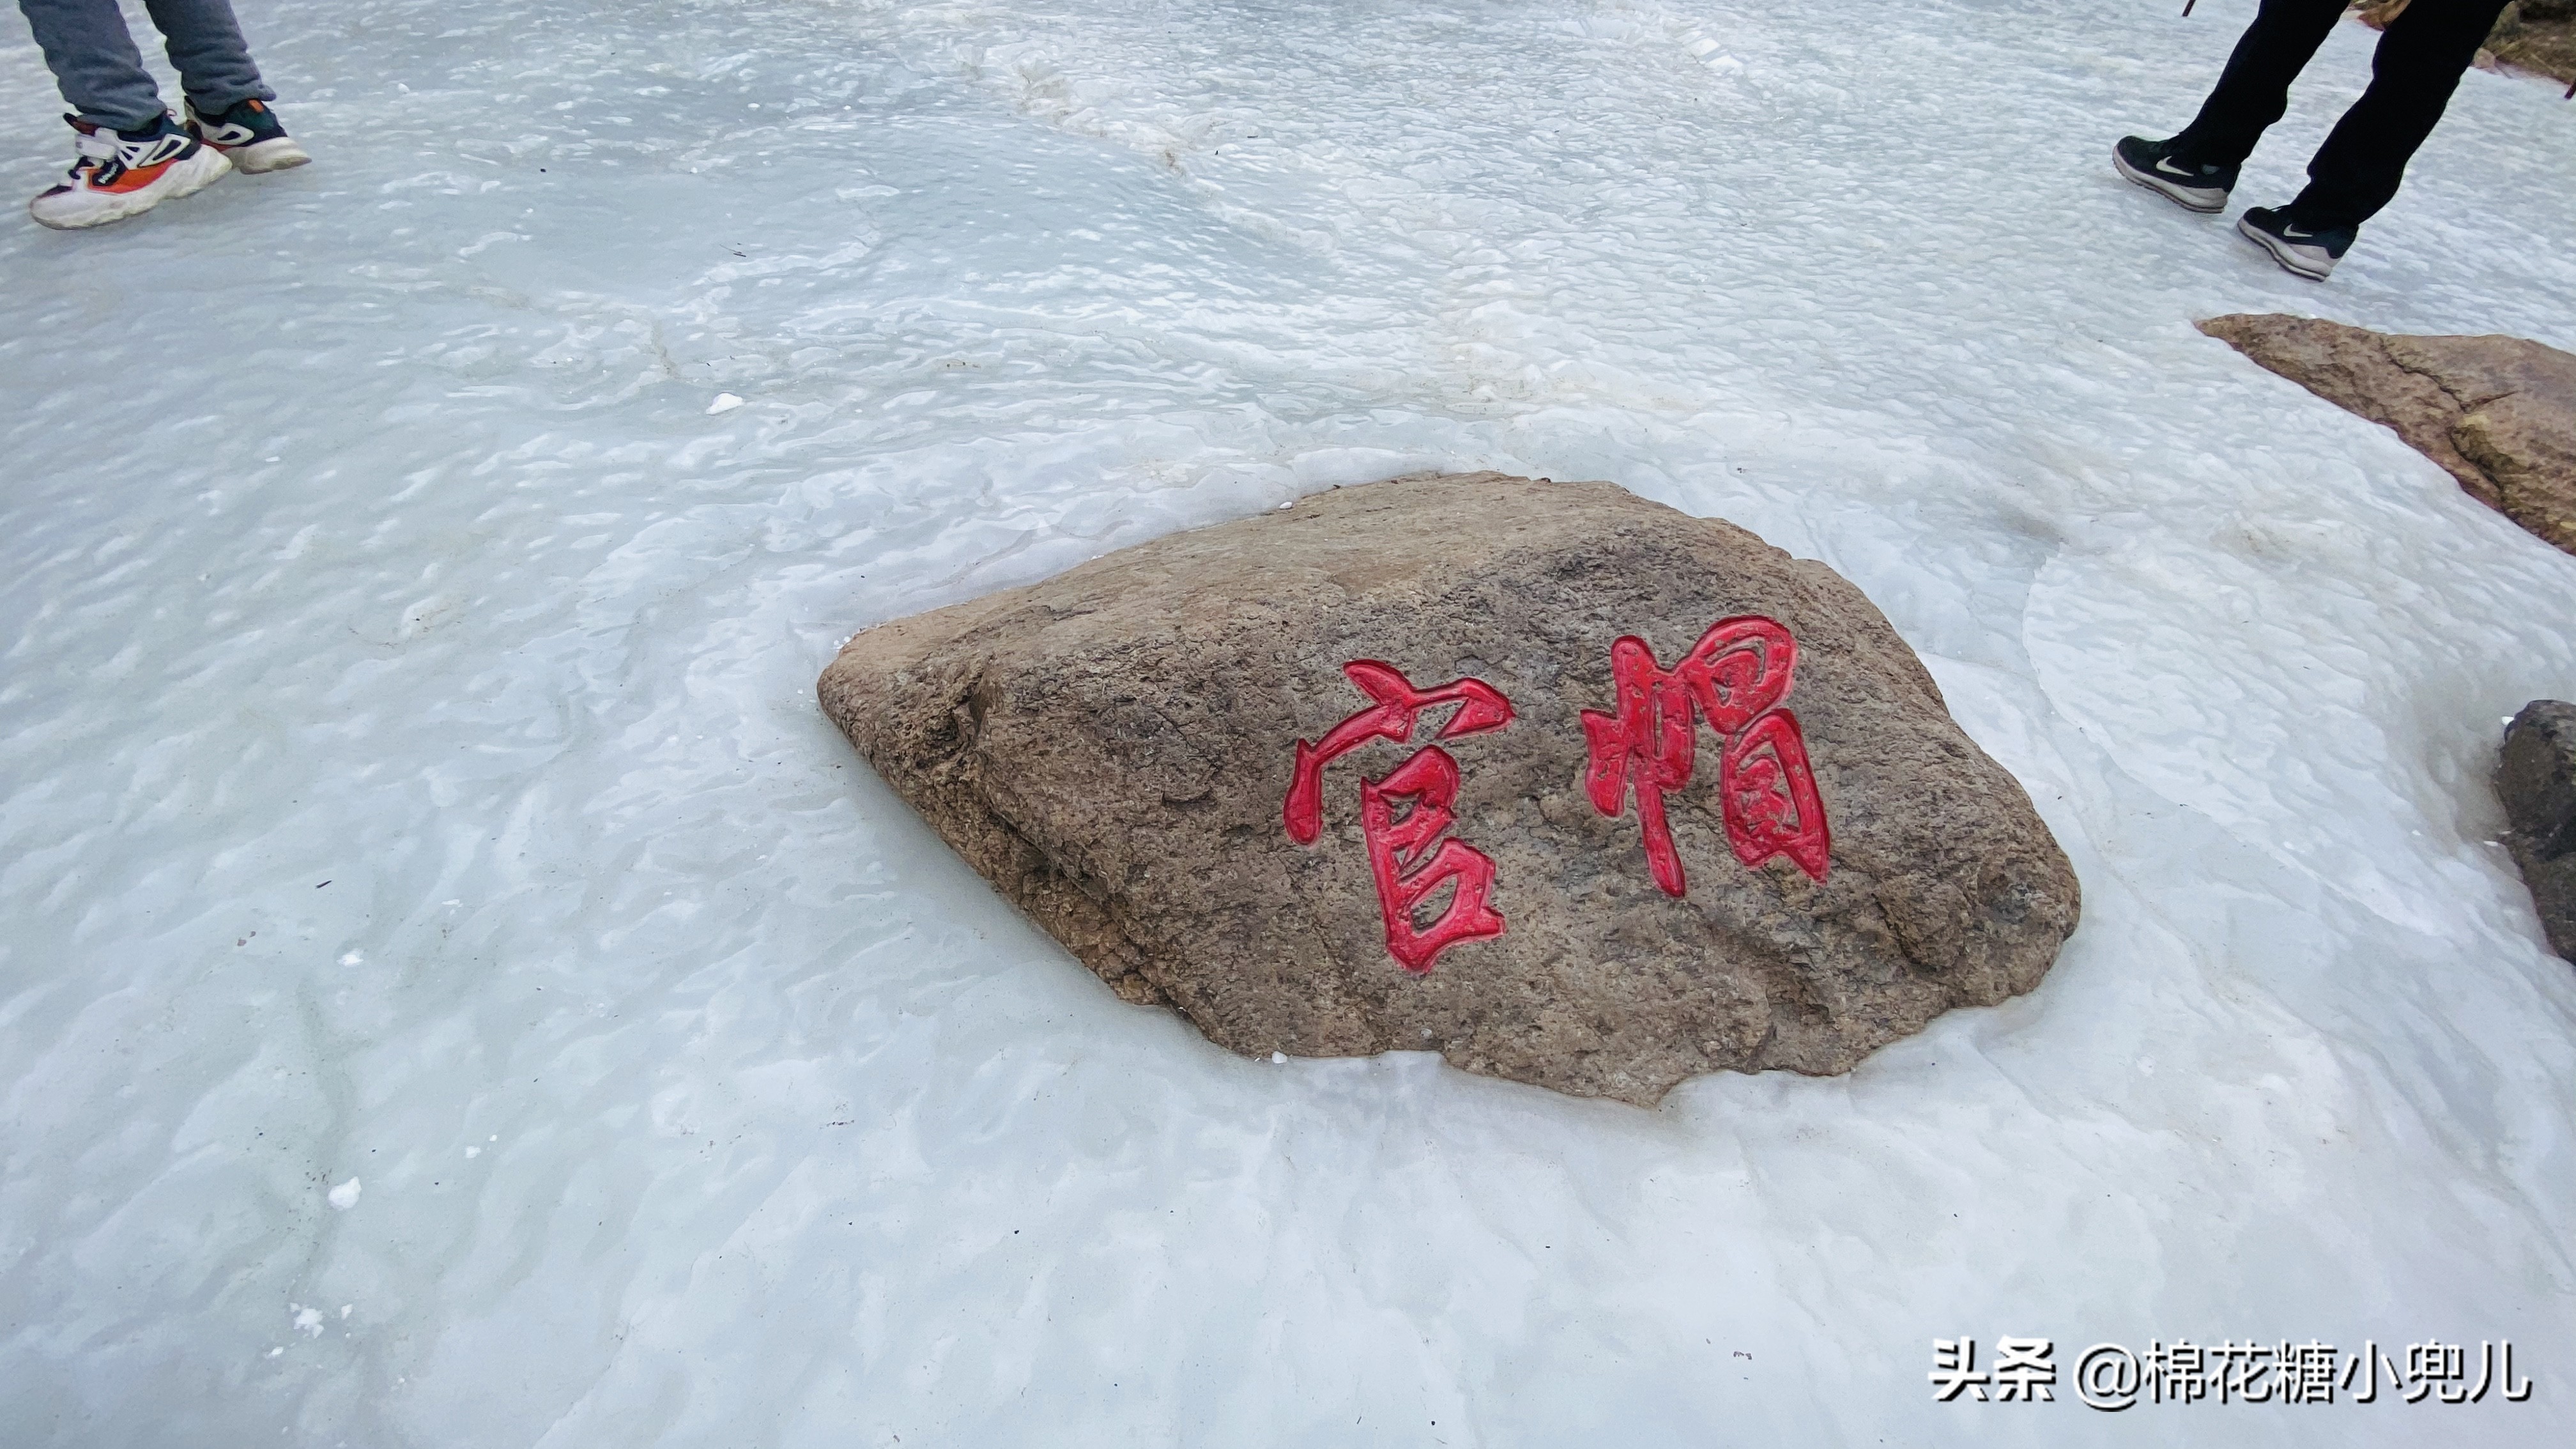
94, 60
227, 101
2413, 74
205, 45
2254, 90
132, 155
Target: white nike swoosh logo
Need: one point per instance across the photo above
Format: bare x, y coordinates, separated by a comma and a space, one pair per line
2168, 168
159, 151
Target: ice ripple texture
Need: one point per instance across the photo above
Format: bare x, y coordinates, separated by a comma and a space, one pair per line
456, 990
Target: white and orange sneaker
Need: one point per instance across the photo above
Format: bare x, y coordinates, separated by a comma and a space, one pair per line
249, 135
126, 173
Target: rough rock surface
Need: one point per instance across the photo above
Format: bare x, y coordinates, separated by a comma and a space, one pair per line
2538, 36
2499, 413
2537, 779
2533, 35
1113, 749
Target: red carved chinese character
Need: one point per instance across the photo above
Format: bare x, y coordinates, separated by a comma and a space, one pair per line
1405, 878
1735, 678
1403, 857
1481, 707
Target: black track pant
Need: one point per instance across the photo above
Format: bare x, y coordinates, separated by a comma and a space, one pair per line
2356, 171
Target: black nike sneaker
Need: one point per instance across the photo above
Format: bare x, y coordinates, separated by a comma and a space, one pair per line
2311, 254
249, 135
2155, 166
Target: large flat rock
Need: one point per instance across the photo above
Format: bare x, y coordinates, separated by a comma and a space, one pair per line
2498, 413
1373, 773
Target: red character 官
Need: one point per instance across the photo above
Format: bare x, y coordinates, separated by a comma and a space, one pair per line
1403, 857
1735, 678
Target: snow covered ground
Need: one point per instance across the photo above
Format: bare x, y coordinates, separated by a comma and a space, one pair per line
456, 990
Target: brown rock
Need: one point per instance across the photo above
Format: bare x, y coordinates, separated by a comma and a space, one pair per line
2536, 778
2538, 36
1113, 748
2499, 413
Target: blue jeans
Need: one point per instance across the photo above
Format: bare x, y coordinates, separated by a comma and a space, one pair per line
102, 75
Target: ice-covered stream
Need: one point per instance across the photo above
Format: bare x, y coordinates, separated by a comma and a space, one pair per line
455, 989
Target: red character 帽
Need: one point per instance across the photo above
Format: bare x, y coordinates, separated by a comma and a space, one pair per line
1408, 856
1735, 678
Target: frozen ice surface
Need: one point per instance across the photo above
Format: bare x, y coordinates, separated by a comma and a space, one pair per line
410, 742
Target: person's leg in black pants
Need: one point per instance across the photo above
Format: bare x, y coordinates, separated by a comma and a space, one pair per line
2413, 73
2254, 90
2356, 171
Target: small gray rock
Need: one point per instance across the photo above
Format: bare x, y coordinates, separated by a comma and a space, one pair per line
1361, 775
2537, 780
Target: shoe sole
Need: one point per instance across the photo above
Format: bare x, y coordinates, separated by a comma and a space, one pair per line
259, 158
2178, 195
2290, 261
186, 177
